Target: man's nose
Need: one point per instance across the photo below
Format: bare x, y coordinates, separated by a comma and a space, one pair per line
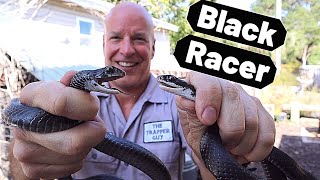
126, 48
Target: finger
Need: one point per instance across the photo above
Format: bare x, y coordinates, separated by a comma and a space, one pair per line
66, 78
251, 124
192, 128
183, 116
186, 105
28, 152
46, 171
266, 135
241, 159
208, 98
187, 113
69, 142
58, 99
232, 117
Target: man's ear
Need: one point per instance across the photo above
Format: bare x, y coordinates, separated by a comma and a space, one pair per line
103, 44
153, 47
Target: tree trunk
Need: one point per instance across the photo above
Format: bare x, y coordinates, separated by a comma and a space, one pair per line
306, 53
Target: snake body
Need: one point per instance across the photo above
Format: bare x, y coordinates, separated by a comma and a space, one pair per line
277, 165
40, 121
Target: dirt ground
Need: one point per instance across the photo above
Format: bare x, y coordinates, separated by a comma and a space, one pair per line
301, 141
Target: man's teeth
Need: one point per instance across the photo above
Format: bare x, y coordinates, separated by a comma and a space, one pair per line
126, 64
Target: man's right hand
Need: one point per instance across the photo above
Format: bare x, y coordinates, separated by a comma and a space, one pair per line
58, 154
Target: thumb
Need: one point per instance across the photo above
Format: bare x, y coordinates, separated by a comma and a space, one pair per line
66, 78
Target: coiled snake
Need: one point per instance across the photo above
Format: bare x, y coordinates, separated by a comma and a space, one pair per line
218, 161
278, 165
38, 120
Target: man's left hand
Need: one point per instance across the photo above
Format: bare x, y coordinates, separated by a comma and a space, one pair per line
247, 130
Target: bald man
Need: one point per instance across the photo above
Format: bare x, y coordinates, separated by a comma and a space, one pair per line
247, 130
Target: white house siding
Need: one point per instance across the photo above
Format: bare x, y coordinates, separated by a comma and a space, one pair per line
52, 40
162, 46
67, 18
51, 13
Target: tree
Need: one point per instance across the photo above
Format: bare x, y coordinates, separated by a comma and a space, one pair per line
301, 19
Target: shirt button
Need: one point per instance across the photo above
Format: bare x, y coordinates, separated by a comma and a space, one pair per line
94, 156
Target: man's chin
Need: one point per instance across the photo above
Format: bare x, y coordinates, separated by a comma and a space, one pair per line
129, 82
124, 82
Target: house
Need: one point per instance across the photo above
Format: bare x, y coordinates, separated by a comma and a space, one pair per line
54, 36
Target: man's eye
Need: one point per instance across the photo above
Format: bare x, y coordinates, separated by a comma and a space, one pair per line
115, 37
140, 38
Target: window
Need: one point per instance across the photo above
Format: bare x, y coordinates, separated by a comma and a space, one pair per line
85, 27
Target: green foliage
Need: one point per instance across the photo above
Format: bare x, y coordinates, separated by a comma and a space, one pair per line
315, 58
175, 12
301, 19
288, 75
265, 7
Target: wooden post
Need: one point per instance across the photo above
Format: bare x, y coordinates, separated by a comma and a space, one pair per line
295, 112
319, 126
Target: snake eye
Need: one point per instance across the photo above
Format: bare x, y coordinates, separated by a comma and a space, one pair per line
98, 81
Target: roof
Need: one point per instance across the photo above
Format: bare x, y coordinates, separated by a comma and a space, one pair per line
105, 7
99, 5
165, 25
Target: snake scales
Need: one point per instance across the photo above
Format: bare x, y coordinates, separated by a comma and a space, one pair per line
277, 165
38, 120
218, 161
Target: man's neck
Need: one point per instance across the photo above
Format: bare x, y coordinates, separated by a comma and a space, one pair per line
128, 100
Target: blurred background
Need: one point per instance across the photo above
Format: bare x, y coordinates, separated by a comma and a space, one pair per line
42, 39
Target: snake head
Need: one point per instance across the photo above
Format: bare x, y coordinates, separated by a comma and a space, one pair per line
176, 86
108, 73
92, 80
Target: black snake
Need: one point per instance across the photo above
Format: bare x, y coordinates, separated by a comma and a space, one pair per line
218, 161
277, 165
38, 120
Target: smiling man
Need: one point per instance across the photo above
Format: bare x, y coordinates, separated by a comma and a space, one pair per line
129, 45
145, 115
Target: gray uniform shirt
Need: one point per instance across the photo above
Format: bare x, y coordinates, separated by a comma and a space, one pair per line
153, 123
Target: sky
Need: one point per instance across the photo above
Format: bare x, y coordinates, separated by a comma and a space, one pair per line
241, 4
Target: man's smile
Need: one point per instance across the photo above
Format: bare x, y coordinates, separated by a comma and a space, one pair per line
126, 64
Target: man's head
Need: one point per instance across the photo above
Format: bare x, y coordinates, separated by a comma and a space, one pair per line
129, 43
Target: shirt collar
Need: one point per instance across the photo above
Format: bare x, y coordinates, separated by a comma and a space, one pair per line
153, 93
